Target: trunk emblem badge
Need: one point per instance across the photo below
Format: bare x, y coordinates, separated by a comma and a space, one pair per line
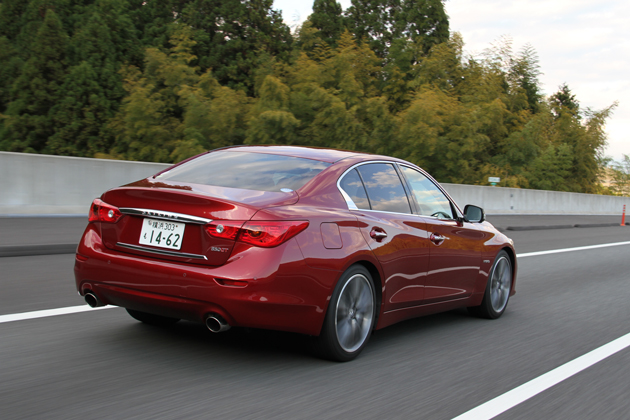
158, 214
219, 249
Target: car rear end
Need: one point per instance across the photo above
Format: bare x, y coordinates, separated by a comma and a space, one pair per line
187, 244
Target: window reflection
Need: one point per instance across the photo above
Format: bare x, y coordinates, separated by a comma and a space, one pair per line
252, 171
431, 200
384, 188
353, 186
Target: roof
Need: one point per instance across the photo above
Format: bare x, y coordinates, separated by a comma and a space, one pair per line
315, 153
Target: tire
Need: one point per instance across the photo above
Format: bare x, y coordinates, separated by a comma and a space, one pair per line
350, 317
151, 319
498, 288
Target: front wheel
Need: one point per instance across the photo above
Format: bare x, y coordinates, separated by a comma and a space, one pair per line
498, 288
350, 316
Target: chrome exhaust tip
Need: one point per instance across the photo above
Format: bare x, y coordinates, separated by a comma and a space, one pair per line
217, 324
92, 300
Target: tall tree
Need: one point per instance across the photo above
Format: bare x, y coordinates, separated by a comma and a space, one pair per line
424, 22
381, 22
103, 40
28, 124
231, 36
524, 72
374, 22
172, 111
620, 172
564, 101
327, 18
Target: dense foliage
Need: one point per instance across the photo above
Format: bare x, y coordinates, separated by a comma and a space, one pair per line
163, 80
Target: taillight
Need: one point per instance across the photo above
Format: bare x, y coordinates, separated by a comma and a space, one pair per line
224, 229
270, 234
263, 234
103, 212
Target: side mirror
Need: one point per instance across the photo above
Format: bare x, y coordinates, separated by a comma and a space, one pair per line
474, 214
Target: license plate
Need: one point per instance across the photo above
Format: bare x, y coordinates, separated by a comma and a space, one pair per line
162, 233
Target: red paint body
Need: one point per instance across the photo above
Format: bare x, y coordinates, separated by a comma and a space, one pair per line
287, 287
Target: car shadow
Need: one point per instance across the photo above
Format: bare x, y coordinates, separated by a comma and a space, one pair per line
190, 341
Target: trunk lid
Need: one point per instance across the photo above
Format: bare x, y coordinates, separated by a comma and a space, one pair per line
167, 220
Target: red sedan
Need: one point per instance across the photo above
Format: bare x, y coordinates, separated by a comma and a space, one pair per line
329, 243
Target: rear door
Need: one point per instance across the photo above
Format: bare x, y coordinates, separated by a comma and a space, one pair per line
396, 236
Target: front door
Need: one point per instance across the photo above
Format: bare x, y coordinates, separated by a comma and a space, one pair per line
454, 246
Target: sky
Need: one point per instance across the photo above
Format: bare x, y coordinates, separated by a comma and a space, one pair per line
583, 43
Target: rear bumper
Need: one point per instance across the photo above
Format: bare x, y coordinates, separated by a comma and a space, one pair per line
274, 288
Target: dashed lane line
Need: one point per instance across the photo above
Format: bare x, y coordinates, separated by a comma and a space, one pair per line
512, 398
485, 411
49, 312
76, 309
577, 248
534, 387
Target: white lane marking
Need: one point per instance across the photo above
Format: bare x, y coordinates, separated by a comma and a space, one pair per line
529, 389
75, 309
579, 248
487, 410
50, 312
534, 387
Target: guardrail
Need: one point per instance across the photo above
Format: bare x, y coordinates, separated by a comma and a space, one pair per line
33, 184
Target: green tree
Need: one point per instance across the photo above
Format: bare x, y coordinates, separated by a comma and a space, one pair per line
232, 36
524, 72
381, 22
104, 39
424, 22
10, 66
28, 124
620, 172
550, 169
173, 111
271, 120
564, 101
327, 18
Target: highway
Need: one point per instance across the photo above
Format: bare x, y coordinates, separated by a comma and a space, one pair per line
102, 364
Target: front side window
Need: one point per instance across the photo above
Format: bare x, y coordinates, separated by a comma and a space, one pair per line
431, 200
252, 171
384, 188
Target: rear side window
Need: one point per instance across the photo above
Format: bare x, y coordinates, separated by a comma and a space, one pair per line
251, 171
353, 186
384, 188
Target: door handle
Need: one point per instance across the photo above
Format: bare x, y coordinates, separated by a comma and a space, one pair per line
436, 238
378, 234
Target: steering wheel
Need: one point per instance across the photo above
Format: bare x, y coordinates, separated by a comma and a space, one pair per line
441, 215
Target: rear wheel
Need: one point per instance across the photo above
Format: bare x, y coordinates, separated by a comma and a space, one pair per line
350, 316
151, 318
498, 289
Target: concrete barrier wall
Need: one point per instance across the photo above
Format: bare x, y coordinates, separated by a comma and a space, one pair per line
499, 200
42, 184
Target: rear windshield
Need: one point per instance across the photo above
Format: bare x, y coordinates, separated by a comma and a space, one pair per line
251, 171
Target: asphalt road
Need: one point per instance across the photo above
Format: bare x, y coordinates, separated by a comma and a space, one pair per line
104, 365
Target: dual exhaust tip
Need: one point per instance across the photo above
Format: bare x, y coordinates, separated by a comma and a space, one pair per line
214, 322
92, 300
